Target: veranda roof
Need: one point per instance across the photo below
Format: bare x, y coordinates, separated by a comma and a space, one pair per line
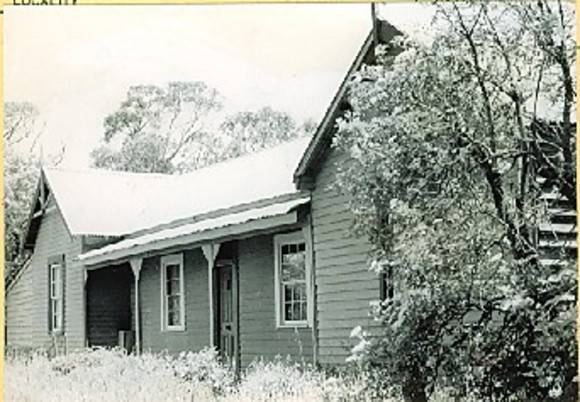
230, 224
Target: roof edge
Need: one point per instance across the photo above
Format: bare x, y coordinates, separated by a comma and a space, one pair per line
173, 238
19, 274
216, 213
323, 134
315, 143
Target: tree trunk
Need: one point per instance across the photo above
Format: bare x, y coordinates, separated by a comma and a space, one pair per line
415, 395
414, 392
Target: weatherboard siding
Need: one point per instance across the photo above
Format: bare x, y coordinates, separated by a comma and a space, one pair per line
19, 305
53, 240
196, 334
75, 298
259, 337
345, 286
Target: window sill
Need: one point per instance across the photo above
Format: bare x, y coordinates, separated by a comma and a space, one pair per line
173, 329
292, 325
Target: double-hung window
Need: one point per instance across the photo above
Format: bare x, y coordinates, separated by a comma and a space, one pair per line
292, 279
172, 293
55, 290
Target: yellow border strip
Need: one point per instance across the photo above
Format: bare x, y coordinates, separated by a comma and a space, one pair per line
37, 3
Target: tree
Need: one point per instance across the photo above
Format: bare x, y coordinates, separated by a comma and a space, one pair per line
173, 130
156, 128
21, 134
21, 125
252, 131
452, 150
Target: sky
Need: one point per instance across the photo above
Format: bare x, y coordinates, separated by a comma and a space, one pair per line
77, 63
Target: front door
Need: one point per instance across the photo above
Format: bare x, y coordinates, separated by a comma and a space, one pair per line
228, 313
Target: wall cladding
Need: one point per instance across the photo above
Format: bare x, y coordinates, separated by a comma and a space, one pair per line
345, 286
196, 334
259, 336
29, 296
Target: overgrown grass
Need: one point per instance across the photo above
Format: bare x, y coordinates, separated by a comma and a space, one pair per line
112, 375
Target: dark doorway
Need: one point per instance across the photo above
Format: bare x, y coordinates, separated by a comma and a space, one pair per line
228, 311
108, 304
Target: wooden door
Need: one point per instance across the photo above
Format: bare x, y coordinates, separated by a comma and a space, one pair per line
228, 311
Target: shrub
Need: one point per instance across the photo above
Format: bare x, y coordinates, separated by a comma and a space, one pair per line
203, 369
105, 374
285, 381
481, 286
278, 380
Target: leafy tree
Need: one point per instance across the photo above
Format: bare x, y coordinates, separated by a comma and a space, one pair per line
252, 131
452, 149
21, 134
156, 128
21, 125
170, 130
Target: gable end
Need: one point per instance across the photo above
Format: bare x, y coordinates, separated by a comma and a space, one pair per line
305, 173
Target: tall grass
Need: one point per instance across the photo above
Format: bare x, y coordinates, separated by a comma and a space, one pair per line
112, 375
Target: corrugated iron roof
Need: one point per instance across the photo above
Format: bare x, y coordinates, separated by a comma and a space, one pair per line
204, 229
107, 203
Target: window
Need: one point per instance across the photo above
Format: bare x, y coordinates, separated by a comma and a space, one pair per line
172, 295
292, 284
55, 294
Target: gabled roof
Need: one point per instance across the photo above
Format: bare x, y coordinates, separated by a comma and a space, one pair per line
107, 203
101, 202
119, 204
322, 139
38, 205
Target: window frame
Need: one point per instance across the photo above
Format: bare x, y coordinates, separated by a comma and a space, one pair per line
279, 241
56, 296
167, 260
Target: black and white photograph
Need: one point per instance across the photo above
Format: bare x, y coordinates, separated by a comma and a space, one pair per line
290, 202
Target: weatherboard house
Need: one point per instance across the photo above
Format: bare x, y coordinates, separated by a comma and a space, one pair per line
253, 256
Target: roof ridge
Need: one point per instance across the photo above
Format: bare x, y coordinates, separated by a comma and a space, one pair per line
106, 172
103, 171
247, 156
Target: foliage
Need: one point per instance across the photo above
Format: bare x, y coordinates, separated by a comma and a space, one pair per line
252, 131
20, 178
156, 128
277, 380
203, 369
93, 376
178, 129
22, 131
20, 124
452, 144
102, 374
